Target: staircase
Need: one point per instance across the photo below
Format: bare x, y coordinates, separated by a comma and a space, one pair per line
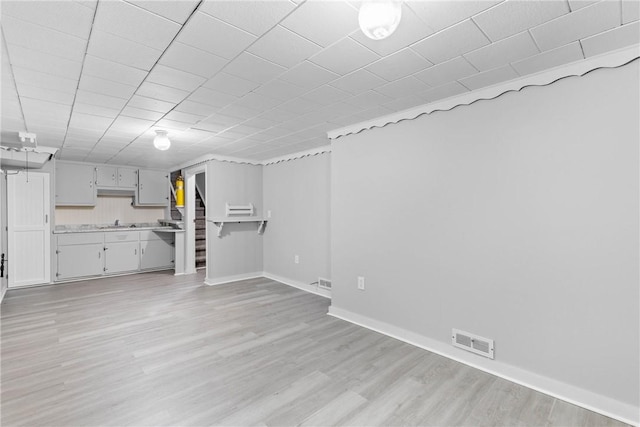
201, 225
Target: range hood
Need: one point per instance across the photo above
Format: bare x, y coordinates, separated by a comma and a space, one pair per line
25, 157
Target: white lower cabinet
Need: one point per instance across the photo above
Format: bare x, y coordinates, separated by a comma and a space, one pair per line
156, 254
104, 253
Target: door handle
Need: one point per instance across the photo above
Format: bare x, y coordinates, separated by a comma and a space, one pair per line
46, 218
99, 256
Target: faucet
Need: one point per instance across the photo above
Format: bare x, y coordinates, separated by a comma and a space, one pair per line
117, 222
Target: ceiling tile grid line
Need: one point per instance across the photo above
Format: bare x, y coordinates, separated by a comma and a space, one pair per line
284, 80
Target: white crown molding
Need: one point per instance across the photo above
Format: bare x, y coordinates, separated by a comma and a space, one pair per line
610, 60
297, 155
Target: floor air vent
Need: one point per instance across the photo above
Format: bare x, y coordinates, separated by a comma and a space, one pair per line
472, 343
324, 283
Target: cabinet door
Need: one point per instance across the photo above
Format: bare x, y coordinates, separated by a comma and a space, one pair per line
153, 188
121, 257
156, 254
74, 185
127, 178
106, 176
79, 261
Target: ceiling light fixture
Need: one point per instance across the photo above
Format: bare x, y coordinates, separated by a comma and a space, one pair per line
161, 141
378, 19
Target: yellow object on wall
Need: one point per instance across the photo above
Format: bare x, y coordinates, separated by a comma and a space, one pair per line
179, 192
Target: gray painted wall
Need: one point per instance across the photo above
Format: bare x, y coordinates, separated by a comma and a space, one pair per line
3, 234
239, 250
515, 219
297, 193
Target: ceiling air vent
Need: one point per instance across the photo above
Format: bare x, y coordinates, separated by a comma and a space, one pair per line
324, 283
473, 343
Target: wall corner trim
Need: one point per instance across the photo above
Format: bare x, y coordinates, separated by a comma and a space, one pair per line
300, 285
604, 405
574, 69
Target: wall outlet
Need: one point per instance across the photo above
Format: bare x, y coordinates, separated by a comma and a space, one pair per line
361, 283
268, 214
296, 259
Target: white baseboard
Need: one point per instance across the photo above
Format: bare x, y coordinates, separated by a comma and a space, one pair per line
4, 292
228, 279
589, 400
300, 285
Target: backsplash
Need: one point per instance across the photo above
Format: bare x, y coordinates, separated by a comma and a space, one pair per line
106, 211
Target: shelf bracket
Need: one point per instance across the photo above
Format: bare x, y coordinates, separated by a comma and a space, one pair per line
261, 227
219, 225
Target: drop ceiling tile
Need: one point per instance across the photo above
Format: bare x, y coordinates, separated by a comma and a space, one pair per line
322, 22
173, 125
399, 65
162, 93
500, 53
448, 71
177, 79
146, 103
454, 41
28, 91
192, 60
42, 39
398, 104
221, 119
280, 90
253, 68
513, 16
358, 82
36, 107
100, 100
549, 59
177, 11
368, 100
214, 36
446, 90
139, 113
579, 4
64, 16
108, 70
113, 48
196, 108
260, 123
308, 75
106, 87
277, 115
617, 38
410, 30
95, 110
180, 116
87, 121
344, 56
326, 95
283, 47
583, 23
630, 11
402, 88
439, 15
488, 78
44, 80
228, 83
238, 111
33, 60
257, 101
130, 125
133, 23
211, 97
210, 126
256, 17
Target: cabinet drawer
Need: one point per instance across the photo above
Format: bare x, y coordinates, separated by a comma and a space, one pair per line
80, 238
121, 236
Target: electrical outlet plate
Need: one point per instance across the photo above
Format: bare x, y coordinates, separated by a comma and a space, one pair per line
361, 283
296, 259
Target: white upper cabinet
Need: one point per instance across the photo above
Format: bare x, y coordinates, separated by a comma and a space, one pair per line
75, 185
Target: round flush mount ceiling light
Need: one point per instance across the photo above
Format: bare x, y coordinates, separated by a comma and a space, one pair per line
161, 141
378, 19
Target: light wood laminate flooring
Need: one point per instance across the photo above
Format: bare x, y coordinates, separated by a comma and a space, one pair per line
154, 349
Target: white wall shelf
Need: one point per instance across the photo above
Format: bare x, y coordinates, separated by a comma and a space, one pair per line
219, 222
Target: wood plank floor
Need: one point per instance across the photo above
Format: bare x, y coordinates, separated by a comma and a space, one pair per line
154, 349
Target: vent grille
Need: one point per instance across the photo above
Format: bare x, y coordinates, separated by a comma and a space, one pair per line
473, 343
324, 283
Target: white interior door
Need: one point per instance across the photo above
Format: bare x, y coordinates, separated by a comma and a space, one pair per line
29, 229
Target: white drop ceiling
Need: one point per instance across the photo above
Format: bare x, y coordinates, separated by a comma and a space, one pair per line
262, 79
